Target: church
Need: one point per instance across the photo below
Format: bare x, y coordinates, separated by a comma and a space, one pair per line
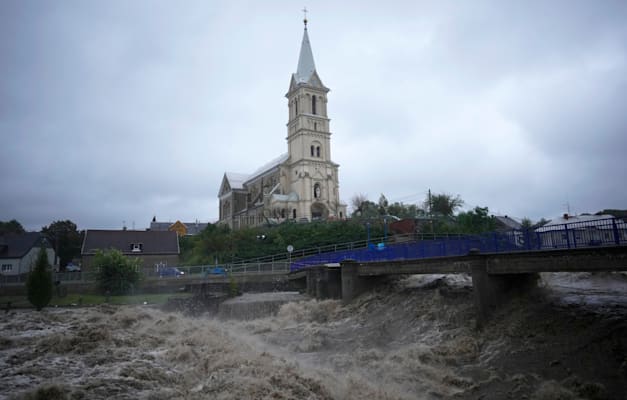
302, 184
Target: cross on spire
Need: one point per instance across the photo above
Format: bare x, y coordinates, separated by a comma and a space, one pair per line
305, 19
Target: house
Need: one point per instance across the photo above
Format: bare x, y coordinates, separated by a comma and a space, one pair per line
18, 252
153, 248
182, 228
301, 184
582, 230
503, 223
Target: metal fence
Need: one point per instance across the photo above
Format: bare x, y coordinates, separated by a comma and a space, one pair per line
69, 277
603, 232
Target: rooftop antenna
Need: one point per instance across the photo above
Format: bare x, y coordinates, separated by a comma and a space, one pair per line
305, 19
567, 205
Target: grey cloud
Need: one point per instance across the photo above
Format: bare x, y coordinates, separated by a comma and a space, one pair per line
116, 111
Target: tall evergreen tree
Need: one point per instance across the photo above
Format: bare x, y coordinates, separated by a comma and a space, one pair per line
39, 283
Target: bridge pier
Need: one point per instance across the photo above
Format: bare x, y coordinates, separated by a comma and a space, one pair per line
324, 282
353, 284
492, 291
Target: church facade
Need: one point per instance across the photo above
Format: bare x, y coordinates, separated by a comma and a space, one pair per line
302, 184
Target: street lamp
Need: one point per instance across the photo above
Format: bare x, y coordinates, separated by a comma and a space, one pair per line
290, 249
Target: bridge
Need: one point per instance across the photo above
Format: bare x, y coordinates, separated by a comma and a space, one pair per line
500, 264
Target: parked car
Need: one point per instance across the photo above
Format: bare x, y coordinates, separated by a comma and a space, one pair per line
72, 268
170, 271
216, 271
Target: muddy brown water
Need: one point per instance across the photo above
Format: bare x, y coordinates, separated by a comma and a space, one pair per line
412, 339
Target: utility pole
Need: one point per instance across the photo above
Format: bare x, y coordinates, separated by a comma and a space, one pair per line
430, 211
429, 194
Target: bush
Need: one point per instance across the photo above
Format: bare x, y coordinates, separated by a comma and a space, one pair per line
39, 283
117, 274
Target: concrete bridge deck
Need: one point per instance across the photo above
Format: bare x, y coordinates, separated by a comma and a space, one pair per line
496, 276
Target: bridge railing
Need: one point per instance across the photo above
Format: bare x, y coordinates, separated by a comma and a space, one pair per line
608, 231
260, 267
601, 232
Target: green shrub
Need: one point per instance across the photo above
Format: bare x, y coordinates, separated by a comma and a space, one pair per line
117, 274
39, 283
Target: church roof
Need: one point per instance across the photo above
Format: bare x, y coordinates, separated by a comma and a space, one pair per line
267, 167
236, 180
306, 71
306, 65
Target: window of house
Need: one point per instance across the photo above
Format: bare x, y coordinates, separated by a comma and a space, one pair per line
7, 267
137, 247
313, 104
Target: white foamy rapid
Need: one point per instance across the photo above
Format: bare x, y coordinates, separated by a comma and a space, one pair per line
412, 339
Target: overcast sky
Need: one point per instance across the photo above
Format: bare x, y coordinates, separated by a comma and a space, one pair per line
118, 111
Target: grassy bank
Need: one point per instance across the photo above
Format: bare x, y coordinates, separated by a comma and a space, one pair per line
92, 299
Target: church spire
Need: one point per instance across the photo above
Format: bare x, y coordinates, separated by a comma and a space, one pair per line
306, 65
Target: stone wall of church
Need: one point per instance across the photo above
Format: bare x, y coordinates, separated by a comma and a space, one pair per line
239, 202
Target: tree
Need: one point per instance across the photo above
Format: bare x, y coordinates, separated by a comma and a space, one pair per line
357, 201
117, 274
476, 221
11, 227
39, 283
405, 210
383, 204
443, 204
65, 238
364, 208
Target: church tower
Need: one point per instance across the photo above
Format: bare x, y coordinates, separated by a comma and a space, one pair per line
312, 175
301, 185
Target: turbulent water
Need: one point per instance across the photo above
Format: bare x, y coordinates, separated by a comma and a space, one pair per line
412, 339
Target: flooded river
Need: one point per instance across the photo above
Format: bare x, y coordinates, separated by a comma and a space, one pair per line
412, 339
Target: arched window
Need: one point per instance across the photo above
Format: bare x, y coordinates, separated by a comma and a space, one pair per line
283, 213
318, 151
312, 150
313, 104
294, 213
295, 106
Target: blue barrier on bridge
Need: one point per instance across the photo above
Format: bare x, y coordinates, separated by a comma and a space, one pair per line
590, 233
